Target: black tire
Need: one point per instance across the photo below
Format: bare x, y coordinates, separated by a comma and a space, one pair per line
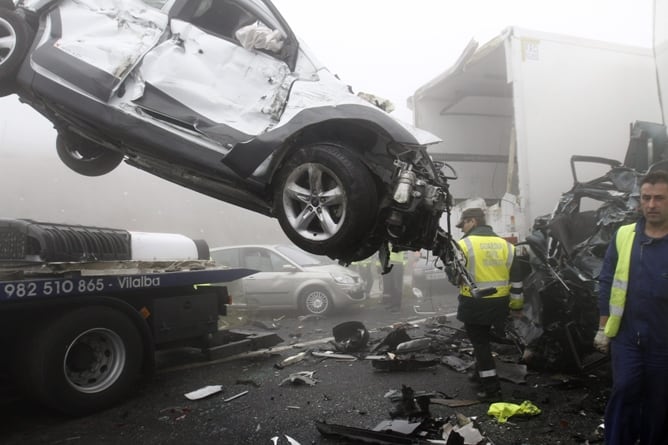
316, 301
325, 199
15, 32
84, 360
86, 157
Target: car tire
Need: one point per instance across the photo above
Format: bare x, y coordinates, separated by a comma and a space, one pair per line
86, 157
16, 33
83, 360
326, 199
316, 301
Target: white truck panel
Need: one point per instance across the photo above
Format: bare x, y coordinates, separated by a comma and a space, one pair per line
535, 98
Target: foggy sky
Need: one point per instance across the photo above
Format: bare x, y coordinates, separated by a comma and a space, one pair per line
43, 189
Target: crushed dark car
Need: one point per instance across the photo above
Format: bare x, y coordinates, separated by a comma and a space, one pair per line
567, 248
221, 97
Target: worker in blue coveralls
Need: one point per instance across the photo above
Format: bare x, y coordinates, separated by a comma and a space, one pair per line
633, 305
492, 263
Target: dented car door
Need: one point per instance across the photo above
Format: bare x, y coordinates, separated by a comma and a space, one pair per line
110, 39
204, 76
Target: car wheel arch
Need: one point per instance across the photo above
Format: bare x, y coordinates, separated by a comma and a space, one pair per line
86, 157
336, 132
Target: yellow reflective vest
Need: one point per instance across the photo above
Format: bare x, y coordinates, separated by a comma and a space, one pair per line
488, 260
398, 258
620, 281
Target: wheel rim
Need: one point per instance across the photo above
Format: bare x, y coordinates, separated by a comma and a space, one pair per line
83, 153
94, 360
314, 202
7, 40
317, 302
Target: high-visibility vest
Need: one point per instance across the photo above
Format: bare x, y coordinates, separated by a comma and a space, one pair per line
620, 281
398, 257
488, 261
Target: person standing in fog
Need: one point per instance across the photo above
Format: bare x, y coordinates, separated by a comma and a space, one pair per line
491, 263
393, 282
633, 308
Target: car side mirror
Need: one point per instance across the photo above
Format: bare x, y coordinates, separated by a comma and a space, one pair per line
289, 268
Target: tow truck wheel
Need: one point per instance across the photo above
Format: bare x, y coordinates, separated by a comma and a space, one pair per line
85, 360
326, 199
86, 157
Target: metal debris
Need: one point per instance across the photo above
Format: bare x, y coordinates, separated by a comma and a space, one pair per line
390, 363
457, 363
236, 396
290, 440
302, 377
410, 423
330, 354
419, 344
291, 360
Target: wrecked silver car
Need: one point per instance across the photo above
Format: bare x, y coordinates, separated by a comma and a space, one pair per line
221, 97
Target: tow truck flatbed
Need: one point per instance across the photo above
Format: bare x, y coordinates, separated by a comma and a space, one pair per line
83, 310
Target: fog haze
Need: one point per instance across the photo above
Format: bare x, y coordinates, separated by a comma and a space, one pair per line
42, 188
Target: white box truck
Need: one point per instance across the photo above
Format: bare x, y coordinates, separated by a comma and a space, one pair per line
514, 111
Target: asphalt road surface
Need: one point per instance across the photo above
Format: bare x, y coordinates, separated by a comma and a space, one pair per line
254, 407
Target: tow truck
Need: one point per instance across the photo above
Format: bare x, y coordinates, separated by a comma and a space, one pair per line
83, 310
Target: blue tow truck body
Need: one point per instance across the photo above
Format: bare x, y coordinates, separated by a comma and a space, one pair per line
81, 320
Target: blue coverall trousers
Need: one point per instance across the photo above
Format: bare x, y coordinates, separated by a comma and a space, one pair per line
638, 404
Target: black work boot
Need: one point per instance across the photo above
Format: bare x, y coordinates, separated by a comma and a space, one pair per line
490, 390
474, 378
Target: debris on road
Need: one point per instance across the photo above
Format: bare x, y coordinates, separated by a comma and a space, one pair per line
419, 344
394, 363
302, 377
291, 441
236, 396
291, 360
330, 354
204, 392
350, 336
410, 423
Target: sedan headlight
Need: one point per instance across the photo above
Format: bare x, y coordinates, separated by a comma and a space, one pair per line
343, 279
